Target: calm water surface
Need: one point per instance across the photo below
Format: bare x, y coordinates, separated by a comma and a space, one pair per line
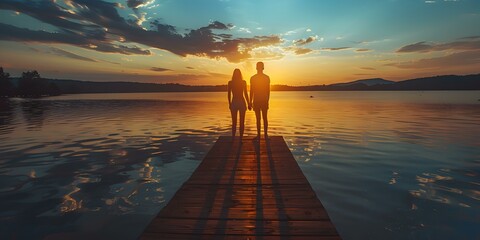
386, 165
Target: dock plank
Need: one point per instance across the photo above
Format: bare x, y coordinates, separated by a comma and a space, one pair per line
244, 190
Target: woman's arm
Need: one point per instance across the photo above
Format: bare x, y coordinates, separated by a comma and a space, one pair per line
229, 89
246, 93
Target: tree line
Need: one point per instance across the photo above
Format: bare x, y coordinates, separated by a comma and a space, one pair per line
29, 85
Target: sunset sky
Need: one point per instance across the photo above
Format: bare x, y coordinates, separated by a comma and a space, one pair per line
201, 42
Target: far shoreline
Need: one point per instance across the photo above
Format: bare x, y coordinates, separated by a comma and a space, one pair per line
413, 90
436, 83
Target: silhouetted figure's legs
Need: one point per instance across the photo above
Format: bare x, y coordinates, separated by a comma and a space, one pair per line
242, 123
265, 122
258, 116
234, 122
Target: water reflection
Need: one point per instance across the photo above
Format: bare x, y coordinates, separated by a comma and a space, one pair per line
33, 113
443, 188
107, 158
6, 116
383, 168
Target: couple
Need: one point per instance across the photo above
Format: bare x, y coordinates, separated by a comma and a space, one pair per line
259, 96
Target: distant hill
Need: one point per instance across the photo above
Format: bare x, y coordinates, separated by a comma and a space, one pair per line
368, 82
447, 82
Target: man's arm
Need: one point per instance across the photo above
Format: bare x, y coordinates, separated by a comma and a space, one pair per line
251, 92
268, 89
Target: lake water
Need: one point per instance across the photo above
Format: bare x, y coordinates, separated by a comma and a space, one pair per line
386, 165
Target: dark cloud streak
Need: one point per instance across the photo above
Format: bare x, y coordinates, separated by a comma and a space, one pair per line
368, 68
459, 59
363, 50
308, 40
423, 47
159, 69
335, 48
61, 52
45, 11
12, 33
470, 37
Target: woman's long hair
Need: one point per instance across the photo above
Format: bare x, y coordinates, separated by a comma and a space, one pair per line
237, 75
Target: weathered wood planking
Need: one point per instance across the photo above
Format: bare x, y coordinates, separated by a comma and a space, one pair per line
244, 190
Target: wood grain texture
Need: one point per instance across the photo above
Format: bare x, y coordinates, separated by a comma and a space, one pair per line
244, 190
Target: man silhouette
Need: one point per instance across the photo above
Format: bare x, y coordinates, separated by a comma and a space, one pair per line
259, 97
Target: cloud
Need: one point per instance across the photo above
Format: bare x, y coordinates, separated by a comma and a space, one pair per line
139, 17
218, 75
12, 33
435, 1
471, 37
363, 74
189, 67
290, 32
45, 11
193, 79
368, 42
301, 51
268, 53
308, 40
98, 26
335, 48
159, 69
458, 59
423, 47
363, 50
33, 49
298, 50
113, 48
64, 53
416, 47
245, 30
139, 3
367, 68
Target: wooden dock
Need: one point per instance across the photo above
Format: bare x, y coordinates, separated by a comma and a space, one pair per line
248, 190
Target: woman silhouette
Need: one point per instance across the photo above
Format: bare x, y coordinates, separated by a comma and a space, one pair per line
237, 103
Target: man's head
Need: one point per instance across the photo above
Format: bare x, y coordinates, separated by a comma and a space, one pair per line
260, 66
